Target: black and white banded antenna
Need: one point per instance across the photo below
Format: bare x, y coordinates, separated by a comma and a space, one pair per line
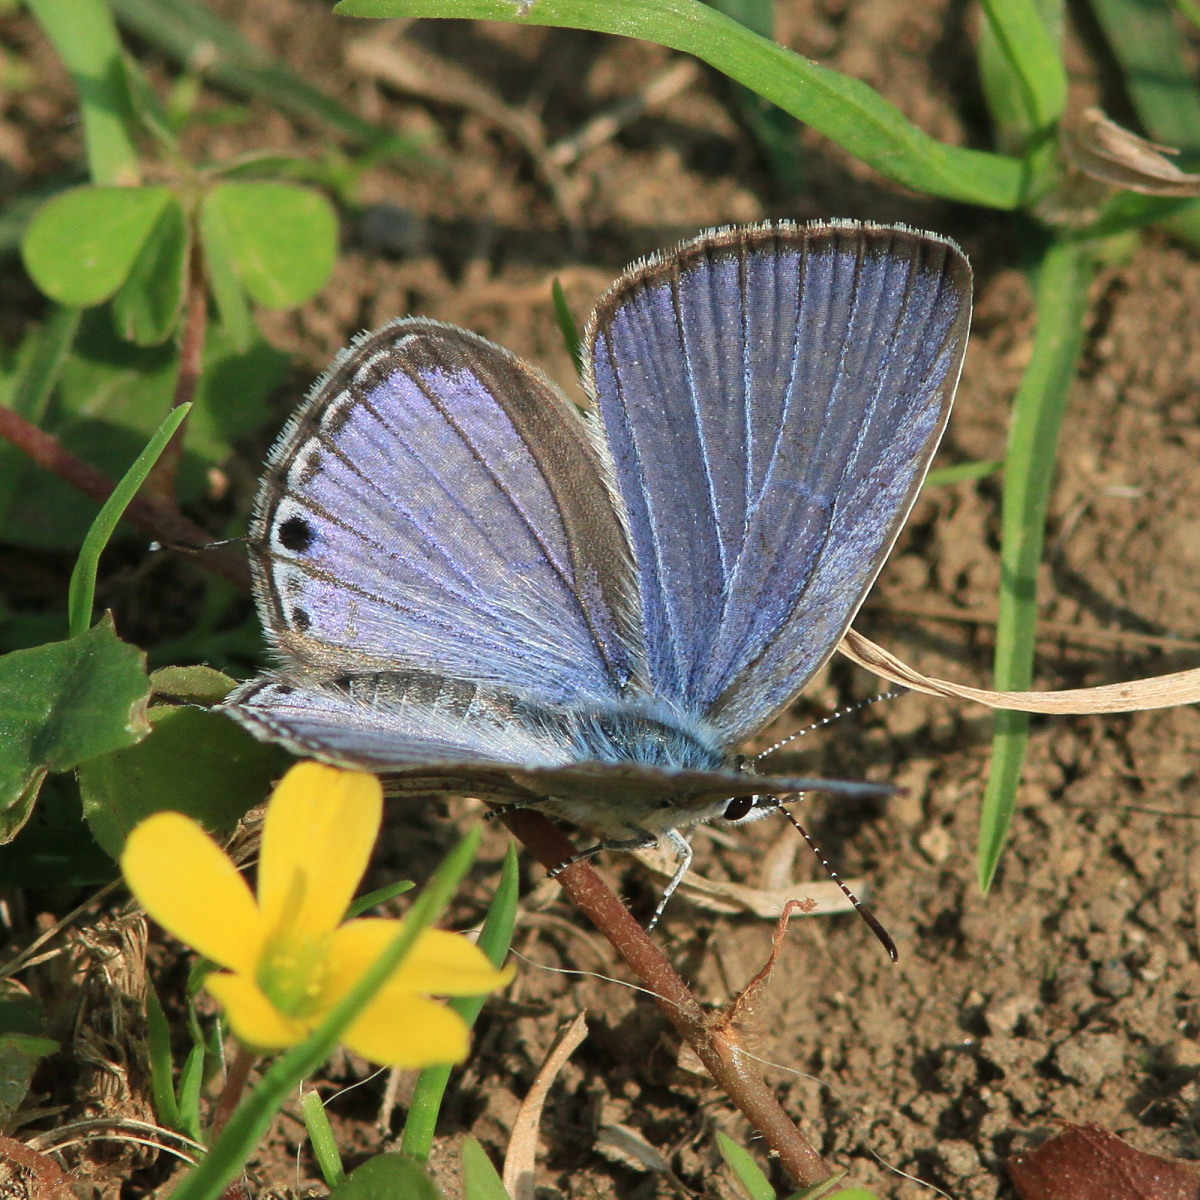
848, 711
872, 921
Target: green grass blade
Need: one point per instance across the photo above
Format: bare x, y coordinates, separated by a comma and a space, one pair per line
1061, 296
180, 28
494, 940
843, 109
774, 130
83, 34
746, 1171
1033, 58
961, 472
320, 1135
567, 326
481, 1180
252, 1118
1147, 44
158, 1047
82, 588
191, 1084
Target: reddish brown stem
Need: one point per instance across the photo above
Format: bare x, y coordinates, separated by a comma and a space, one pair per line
160, 483
235, 1084
231, 1093
716, 1045
163, 522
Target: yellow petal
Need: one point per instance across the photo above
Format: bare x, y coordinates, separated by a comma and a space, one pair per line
408, 1031
191, 888
439, 964
255, 1021
319, 831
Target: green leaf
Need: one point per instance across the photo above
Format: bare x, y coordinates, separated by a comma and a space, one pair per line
224, 283
81, 590
745, 1170
62, 704
199, 685
960, 472
387, 1177
843, 109
146, 308
191, 1088
197, 763
1061, 298
81, 246
282, 238
55, 848
22, 1047
481, 1180
379, 896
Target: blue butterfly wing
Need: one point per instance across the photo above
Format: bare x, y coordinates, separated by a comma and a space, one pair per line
772, 398
395, 721
432, 735
438, 505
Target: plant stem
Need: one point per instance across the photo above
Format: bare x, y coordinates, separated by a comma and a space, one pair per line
163, 522
160, 484
716, 1046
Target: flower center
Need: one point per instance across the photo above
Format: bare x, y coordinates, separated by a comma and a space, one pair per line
294, 966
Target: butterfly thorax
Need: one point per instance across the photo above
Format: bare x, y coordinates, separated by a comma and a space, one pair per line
633, 734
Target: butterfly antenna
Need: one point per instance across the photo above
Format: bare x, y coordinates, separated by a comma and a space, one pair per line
873, 922
836, 715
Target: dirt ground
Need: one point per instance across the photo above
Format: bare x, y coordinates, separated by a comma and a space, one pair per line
1072, 991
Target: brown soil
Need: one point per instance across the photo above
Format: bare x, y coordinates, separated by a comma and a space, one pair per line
1072, 991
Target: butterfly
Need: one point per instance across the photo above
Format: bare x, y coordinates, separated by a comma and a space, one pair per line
473, 587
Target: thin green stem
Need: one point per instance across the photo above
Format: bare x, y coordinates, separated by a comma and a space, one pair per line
85, 37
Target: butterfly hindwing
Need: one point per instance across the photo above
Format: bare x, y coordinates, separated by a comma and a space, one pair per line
772, 397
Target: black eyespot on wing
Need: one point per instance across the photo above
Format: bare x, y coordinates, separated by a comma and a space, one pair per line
300, 619
738, 807
296, 534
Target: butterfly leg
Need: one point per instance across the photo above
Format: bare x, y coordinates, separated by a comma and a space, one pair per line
499, 810
642, 840
683, 848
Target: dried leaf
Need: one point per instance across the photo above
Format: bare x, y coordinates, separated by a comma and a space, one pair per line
1089, 1162
721, 896
1101, 149
522, 1145
1156, 691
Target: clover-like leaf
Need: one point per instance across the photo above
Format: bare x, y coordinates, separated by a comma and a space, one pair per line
82, 245
195, 762
282, 238
147, 306
62, 704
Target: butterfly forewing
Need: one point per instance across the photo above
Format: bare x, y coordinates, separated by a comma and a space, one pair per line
772, 397
437, 505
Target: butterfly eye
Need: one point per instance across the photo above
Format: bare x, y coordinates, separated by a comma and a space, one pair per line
738, 807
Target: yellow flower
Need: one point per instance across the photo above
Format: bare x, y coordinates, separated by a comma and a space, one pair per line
287, 959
